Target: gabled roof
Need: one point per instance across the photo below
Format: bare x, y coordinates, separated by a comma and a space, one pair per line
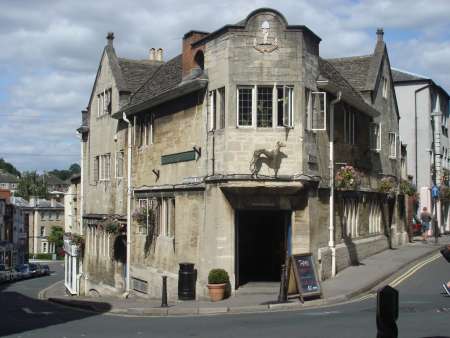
362, 71
354, 69
6, 177
331, 78
52, 179
404, 76
136, 72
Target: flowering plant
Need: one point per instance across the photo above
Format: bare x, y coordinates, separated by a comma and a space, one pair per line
387, 186
444, 193
347, 178
407, 188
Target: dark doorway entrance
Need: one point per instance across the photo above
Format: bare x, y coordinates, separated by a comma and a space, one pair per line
260, 245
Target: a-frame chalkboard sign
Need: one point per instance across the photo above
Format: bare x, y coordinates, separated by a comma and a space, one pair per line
302, 277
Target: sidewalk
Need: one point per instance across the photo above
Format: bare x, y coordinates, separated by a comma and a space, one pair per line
346, 285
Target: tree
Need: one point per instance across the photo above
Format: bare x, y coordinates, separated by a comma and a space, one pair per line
8, 167
30, 184
57, 237
66, 174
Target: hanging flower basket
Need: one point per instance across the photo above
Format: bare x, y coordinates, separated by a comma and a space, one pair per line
444, 194
112, 226
347, 178
407, 188
387, 186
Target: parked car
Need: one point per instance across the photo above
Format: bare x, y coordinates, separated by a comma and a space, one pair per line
34, 269
24, 270
45, 270
5, 275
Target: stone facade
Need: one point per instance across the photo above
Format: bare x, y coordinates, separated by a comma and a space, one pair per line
213, 179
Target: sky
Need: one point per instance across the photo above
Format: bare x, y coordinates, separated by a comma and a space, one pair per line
51, 50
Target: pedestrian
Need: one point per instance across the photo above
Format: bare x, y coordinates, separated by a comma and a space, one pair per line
425, 218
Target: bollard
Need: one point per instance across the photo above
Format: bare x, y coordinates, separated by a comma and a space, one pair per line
164, 292
387, 312
282, 295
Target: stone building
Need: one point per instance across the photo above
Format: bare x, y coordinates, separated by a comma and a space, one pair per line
8, 181
43, 216
424, 107
221, 157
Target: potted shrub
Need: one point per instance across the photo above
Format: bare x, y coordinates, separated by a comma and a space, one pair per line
387, 186
217, 281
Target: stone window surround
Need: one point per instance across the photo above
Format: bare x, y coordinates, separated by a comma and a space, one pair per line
143, 130
310, 100
104, 105
216, 110
254, 98
392, 145
165, 216
377, 143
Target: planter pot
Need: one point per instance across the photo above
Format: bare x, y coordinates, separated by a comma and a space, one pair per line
216, 291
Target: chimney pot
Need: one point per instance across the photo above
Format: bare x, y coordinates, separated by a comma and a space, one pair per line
159, 54
380, 33
152, 54
110, 38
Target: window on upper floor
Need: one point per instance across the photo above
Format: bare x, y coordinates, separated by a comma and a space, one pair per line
349, 126
102, 167
375, 136
42, 231
384, 83
265, 106
216, 119
316, 109
104, 104
392, 145
285, 106
119, 164
245, 104
144, 130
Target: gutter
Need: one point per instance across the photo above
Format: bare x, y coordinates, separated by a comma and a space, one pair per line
182, 89
127, 281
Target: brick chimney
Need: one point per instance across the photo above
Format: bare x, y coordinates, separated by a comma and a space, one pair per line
189, 53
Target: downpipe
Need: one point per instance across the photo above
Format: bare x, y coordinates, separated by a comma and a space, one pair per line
331, 242
127, 279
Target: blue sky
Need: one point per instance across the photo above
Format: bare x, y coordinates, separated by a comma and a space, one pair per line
51, 50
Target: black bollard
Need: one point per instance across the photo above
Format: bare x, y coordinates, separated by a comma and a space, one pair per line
282, 295
164, 292
387, 312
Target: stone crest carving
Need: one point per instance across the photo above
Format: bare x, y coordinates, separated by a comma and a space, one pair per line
266, 45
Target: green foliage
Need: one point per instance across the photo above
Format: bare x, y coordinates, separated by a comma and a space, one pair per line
407, 188
66, 174
347, 178
30, 184
111, 225
43, 256
141, 215
218, 276
8, 167
57, 237
444, 193
387, 185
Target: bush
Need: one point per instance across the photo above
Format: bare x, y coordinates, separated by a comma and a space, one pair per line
347, 178
218, 276
43, 256
407, 188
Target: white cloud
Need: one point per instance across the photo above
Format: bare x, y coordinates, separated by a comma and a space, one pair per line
51, 51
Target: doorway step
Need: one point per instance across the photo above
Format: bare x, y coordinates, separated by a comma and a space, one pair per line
259, 288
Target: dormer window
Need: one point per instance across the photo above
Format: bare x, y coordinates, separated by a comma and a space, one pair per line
104, 106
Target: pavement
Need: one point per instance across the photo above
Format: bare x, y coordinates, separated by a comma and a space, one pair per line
370, 274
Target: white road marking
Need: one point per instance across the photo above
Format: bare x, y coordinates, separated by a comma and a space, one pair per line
323, 313
31, 312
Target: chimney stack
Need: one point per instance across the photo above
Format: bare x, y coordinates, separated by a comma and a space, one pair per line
152, 54
159, 54
380, 33
33, 200
110, 38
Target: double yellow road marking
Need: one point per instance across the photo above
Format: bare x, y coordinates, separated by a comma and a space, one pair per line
413, 270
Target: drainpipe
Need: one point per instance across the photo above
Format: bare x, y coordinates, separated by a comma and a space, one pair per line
127, 281
331, 242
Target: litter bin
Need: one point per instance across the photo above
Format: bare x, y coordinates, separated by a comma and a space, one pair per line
186, 281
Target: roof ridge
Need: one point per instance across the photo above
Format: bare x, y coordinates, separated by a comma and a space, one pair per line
350, 57
410, 73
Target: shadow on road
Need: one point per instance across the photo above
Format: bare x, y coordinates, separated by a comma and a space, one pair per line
20, 313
